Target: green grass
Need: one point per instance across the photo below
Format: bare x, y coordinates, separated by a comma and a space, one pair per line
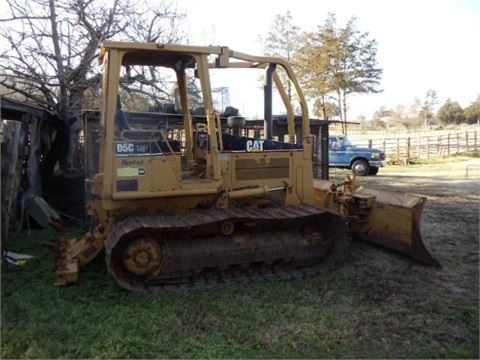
455, 157
345, 314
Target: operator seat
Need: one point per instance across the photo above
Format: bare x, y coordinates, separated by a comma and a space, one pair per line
137, 134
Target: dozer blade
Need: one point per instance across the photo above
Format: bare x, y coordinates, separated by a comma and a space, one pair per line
389, 219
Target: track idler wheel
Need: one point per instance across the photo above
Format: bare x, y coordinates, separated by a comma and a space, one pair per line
142, 256
227, 228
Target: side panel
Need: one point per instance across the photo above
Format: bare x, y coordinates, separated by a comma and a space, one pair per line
145, 166
283, 172
262, 168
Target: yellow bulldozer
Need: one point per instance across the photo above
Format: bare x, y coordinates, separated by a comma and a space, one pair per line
190, 193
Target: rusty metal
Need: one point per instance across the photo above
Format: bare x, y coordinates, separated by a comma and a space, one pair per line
66, 264
71, 254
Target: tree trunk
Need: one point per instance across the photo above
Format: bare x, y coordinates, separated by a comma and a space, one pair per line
344, 110
57, 153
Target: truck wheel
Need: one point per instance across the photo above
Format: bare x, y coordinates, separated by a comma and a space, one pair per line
361, 167
373, 171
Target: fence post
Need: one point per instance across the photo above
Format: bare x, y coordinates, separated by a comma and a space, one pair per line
448, 144
428, 146
408, 148
11, 173
398, 149
440, 147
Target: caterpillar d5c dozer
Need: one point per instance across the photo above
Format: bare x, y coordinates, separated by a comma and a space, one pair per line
187, 193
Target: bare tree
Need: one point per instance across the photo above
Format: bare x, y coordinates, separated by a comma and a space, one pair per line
381, 117
53, 47
406, 116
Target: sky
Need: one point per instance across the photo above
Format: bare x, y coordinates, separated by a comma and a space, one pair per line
421, 44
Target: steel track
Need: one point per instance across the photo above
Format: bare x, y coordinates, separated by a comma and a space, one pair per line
260, 272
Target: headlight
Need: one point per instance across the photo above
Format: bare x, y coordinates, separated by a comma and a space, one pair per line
376, 155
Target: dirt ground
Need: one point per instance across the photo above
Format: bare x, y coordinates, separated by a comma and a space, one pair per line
444, 301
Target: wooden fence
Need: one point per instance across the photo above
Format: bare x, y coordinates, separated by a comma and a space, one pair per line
404, 149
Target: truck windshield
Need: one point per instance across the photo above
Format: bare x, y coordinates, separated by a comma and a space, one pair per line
347, 142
